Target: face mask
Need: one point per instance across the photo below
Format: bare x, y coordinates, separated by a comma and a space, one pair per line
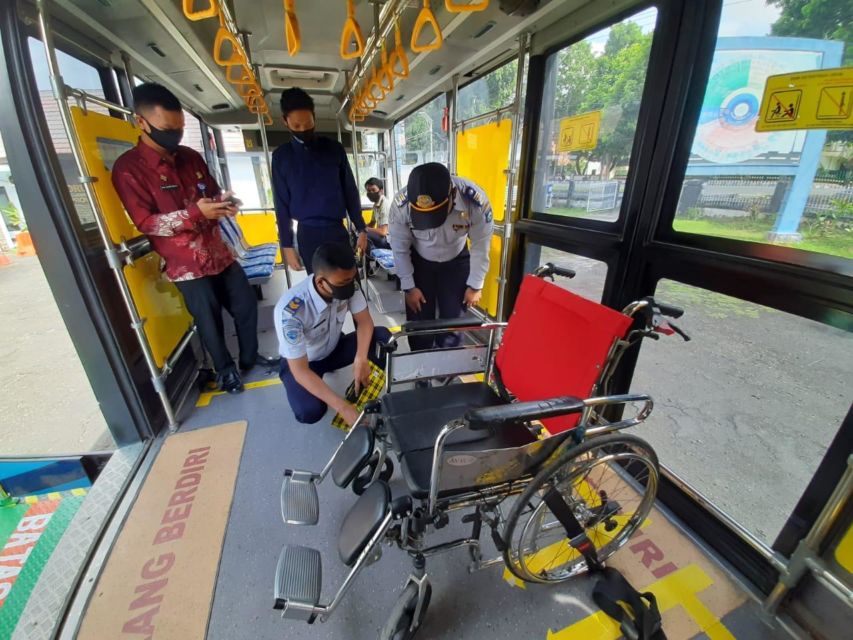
342, 292
373, 196
305, 137
169, 139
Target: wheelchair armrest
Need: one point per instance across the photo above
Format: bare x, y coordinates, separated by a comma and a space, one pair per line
522, 411
444, 323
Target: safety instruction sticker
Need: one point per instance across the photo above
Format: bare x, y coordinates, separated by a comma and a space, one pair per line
819, 99
579, 133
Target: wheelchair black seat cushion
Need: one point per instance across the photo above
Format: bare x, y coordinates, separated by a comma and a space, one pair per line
417, 465
415, 418
363, 520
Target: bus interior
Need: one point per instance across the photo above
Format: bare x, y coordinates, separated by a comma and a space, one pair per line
628, 144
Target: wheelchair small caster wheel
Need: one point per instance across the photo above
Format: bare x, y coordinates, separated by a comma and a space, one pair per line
402, 624
362, 481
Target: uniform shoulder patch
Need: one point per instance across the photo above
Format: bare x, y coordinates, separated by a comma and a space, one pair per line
294, 305
401, 198
293, 332
474, 195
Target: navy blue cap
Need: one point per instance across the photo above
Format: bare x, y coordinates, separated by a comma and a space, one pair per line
428, 194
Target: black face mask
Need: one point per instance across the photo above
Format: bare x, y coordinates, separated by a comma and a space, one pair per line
169, 139
342, 292
373, 196
305, 137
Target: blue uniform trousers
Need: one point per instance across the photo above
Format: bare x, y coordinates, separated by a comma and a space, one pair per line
308, 408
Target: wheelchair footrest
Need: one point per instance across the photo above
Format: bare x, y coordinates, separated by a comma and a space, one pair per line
298, 581
299, 501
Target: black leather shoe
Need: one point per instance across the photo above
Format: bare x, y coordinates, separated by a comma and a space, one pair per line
231, 382
269, 363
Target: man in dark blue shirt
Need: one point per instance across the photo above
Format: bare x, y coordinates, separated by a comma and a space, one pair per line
313, 184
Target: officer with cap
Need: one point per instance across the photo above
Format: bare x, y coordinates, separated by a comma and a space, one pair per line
431, 222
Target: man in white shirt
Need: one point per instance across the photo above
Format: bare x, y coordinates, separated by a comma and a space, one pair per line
309, 318
377, 230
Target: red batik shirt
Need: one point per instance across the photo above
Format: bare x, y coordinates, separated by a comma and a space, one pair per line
160, 197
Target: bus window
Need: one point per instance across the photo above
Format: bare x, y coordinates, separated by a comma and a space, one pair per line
193, 133
591, 274
420, 138
43, 381
787, 187
492, 91
589, 113
765, 394
247, 169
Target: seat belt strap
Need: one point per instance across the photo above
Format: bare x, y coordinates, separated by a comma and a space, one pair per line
577, 536
612, 588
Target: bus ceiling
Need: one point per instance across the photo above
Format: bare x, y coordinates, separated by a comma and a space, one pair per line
160, 43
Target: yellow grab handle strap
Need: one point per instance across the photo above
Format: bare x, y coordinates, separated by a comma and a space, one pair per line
452, 7
291, 28
426, 17
223, 37
398, 62
351, 35
385, 74
211, 11
246, 76
247, 90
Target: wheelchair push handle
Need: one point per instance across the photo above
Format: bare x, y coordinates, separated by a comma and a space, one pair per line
549, 270
668, 310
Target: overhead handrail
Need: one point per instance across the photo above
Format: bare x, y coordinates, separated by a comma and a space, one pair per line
351, 34
211, 11
426, 17
398, 57
291, 28
452, 7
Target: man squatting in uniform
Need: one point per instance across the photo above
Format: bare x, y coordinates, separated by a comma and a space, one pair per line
309, 318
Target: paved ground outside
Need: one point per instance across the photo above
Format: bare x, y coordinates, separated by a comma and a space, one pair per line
46, 403
745, 411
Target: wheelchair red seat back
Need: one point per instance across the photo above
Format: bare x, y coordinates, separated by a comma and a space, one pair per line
556, 344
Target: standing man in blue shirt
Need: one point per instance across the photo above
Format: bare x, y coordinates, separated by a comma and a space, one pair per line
313, 184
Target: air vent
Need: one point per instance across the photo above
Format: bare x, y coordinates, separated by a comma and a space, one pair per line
153, 46
308, 79
400, 97
220, 106
198, 88
380, 113
435, 70
485, 29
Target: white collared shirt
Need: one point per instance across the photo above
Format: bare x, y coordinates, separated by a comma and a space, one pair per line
381, 210
307, 325
470, 219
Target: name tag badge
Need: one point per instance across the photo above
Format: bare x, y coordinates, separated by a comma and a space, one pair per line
202, 187
168, 187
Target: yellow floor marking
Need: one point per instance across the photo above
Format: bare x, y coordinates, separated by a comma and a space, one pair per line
78, 492
205, 397
31, 499
53, 495
678, 588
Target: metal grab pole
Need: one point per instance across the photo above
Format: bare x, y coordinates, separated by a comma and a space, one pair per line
115, 262
266, 146
523, 44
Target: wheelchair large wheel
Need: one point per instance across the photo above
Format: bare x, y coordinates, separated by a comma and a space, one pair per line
609, 482
399, 625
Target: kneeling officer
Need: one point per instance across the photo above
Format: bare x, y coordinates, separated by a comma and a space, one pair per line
309, 318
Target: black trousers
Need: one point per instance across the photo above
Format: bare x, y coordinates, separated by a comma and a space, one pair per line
309, 237
377, 240
206, 297
443, 285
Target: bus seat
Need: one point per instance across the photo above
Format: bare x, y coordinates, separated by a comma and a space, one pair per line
257, 261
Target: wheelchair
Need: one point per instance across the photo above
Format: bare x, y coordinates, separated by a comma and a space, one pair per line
532, 449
